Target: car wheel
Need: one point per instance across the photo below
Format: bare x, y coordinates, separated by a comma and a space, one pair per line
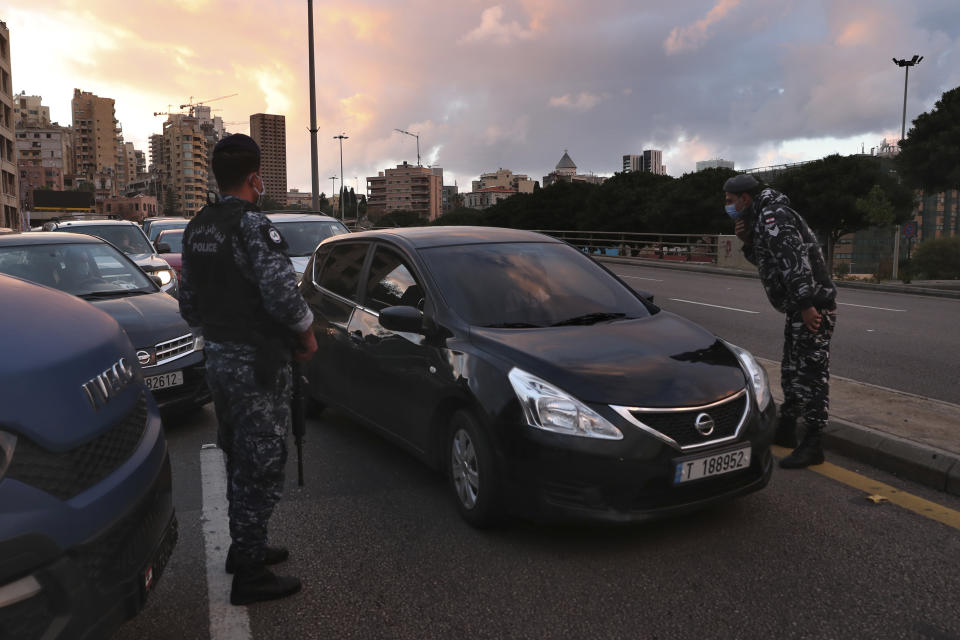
472, 471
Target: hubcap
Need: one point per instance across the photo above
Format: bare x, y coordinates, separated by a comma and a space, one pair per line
463, 467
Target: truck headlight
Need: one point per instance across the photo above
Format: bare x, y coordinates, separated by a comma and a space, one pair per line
756, 375
547, 407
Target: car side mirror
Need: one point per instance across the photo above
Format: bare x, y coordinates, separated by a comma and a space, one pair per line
646, 295
163, 247
403, 319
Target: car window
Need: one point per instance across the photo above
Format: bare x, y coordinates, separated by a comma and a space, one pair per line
303, 236
126, 237
391, 283
173, 238
78, 269
341, 272
158, 227
533, 284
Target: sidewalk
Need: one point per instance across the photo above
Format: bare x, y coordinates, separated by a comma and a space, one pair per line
911, 436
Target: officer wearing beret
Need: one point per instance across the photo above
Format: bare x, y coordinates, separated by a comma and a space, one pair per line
795, 278
239, 287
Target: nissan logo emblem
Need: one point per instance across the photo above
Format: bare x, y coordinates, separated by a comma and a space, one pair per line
704, 424
143, 357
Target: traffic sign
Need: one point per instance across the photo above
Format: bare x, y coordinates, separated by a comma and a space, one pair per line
909, 229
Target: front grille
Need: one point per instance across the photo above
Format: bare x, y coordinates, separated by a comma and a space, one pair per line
174, 348
679, 426
65, 475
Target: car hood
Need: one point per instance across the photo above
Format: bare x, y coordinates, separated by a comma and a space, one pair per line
659, 361
147, 319
148, 261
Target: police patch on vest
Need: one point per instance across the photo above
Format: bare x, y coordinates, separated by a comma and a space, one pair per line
274, 239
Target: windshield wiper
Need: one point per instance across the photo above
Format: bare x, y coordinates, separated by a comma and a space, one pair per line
111, 294
589, 318
514, 325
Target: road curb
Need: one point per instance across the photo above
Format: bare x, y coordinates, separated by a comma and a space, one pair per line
926, 465
739, 273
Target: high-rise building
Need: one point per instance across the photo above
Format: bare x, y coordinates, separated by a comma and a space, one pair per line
406, 188
186, 166
650, 160
506, 179
716, 163
96, 134
156, 151
30, 112
270, 132
9, 190
44, 158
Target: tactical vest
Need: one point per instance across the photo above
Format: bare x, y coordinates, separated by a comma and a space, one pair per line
229, 305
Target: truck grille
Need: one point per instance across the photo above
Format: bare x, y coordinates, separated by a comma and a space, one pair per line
678, 428
174, 348
65, 475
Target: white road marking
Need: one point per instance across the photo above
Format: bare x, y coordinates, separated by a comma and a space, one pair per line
863, 306
227, 622
639, 278
715, 306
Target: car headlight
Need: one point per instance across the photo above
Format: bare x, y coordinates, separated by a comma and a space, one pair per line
756, 375
8, 442
165, 275
198, 342
547, 407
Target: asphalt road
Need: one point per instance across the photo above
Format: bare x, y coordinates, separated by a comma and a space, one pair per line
906, 342
383, 554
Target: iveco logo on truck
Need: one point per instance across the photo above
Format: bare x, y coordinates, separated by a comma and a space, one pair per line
101, 389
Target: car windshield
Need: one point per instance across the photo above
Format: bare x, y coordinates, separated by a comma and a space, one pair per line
528, 284
83, 269
303, 236
160, 226
125, 237
172, 238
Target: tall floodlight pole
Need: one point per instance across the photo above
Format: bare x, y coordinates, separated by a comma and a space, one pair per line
414, 135
906, 64
314, 171
341, 138
333, 187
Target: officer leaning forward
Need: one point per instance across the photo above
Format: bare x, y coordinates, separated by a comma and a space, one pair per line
239, 287
795, 277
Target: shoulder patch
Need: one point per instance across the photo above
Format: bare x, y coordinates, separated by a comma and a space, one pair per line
273, 238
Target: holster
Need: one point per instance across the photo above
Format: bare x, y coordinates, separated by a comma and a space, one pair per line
273, 354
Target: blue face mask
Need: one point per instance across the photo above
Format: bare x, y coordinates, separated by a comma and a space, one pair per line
731, 210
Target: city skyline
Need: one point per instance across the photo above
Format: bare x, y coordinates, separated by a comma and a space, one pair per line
746, 80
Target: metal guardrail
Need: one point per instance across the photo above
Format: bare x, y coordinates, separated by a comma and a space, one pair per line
646, 246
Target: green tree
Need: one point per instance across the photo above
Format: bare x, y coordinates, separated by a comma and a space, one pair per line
929, 157
938, 258
269, 203
693, 204
834, 195
401, 218
461, 216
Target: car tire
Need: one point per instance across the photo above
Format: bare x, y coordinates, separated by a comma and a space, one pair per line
472, 471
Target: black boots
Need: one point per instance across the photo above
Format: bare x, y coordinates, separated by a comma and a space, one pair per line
809, 452
255, 583
786, 433
273, 555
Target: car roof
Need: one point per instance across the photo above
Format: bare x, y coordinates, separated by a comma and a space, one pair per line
170, 232
95, 223
48, 237
298, 216
425, 237
162, 220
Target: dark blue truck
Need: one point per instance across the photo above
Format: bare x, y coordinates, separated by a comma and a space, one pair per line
86, 515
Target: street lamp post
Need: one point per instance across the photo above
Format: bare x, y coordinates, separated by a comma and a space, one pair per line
906, 64
341, 138
333, 187
314, 171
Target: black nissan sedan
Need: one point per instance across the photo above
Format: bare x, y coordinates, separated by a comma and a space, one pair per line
539, 382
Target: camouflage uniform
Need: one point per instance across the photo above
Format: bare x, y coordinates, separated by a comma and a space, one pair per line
248, 373
795, 277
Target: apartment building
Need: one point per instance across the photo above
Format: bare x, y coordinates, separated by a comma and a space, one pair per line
270, 132
716, 163
9, 189
483, 198
96, 134
651, 160
406, 188
186, 166
29, 111
505, 178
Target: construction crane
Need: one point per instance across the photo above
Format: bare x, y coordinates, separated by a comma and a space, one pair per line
168, 112
412, 135
192, 105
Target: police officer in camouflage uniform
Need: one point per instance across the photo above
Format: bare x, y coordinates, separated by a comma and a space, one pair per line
795, 277
239, 287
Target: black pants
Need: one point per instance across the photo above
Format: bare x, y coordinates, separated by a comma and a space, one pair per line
805, 369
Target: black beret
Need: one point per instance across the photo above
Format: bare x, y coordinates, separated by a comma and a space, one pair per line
237, 142
740, 184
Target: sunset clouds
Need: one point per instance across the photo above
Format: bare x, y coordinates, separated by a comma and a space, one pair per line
504, 83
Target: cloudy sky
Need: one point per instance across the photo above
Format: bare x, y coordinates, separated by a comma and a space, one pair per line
505, 83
